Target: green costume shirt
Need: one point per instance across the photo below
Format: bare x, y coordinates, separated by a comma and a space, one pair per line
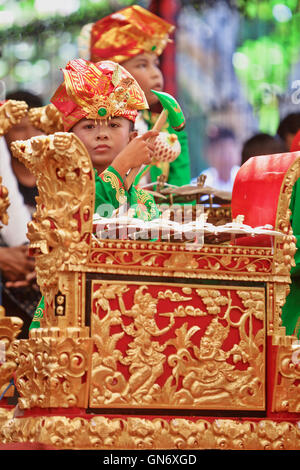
110, 193
179, 171
110, 189
291, 309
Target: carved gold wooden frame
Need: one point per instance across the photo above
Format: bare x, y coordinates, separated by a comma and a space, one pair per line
137, 433
76, 258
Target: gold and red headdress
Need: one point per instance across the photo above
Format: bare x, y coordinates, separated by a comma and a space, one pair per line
126, 33
97, 91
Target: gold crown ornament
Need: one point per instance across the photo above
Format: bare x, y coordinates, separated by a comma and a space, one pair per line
97, 91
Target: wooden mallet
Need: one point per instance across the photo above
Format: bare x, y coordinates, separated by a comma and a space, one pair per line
172, 112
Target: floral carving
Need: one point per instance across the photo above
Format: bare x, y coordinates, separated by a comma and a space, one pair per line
115, 433
287, 386
53, 372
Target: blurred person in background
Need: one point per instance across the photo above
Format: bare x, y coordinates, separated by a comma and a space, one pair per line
288, 128
223, 156
262, 144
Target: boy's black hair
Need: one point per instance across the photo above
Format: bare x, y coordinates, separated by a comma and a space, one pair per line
289, 125
33, 101
215, 134
262, 144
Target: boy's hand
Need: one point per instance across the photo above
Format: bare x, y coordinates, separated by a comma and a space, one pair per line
15, 263
138, 152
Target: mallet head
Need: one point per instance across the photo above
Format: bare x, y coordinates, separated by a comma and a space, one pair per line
175, 115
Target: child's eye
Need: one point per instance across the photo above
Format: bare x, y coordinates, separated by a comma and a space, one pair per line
89, 126
114, 124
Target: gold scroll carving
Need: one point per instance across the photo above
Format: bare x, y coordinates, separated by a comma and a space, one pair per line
53, 371
46, 118
183, 346
287, 376
11, 113
101, 432
10, 327
166, 259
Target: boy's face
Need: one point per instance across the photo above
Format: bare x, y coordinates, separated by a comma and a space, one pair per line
145, 69
103, 139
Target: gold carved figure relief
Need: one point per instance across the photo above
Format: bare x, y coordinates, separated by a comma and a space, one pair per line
177, 346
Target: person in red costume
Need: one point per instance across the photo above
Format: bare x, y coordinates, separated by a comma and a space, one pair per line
135, 38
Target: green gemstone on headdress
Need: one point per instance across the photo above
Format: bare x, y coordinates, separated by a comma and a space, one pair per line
102, 112
153, 48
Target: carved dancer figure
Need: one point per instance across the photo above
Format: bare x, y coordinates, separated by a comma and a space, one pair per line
144, 356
